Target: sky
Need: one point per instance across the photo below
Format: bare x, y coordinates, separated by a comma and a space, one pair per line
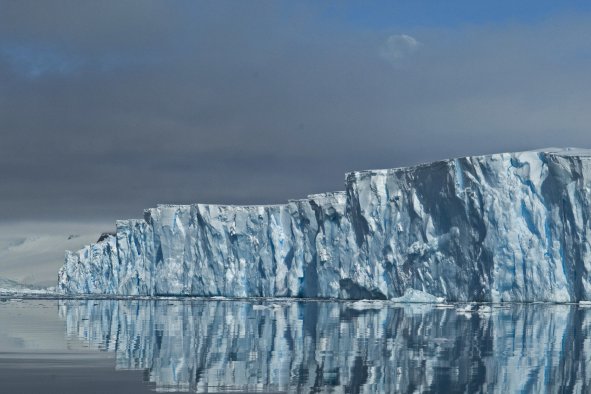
110, 107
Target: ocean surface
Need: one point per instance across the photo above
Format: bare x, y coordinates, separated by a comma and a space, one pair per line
277, 345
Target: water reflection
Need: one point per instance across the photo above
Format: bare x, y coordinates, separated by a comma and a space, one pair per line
342, 347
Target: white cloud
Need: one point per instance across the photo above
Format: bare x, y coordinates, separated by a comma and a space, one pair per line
398, 47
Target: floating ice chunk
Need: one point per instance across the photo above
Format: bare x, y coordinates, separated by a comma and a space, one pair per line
418, 296
363, 305
466, 308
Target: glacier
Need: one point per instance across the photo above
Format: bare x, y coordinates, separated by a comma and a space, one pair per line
508, 227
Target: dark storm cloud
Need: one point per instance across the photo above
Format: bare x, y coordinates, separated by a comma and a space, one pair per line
110, 107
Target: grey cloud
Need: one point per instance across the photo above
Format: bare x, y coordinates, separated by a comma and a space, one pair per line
252, 103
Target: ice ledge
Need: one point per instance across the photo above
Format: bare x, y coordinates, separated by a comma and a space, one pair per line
553, 151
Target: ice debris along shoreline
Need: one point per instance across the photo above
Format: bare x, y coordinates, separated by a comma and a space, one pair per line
499, 228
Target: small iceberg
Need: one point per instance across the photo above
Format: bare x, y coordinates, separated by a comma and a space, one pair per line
418, 296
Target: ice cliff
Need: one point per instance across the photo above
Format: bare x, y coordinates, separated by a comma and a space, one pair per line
502, 227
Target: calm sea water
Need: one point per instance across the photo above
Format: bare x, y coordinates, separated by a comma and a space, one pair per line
62, 346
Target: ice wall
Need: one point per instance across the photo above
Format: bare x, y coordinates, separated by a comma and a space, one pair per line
503, 227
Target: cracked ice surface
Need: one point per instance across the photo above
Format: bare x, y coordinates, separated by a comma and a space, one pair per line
502, 227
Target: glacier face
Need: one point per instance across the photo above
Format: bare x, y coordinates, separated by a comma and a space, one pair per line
502, 227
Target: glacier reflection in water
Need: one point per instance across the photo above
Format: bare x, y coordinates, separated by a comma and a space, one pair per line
337, 346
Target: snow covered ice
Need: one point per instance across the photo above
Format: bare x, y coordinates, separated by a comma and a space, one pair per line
502, 227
